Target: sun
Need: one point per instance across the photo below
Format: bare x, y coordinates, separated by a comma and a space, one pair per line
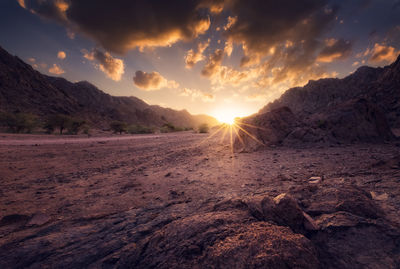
226, 115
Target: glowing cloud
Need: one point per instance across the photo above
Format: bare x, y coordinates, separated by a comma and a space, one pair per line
57, 70
61, 55
112, 67
152, 81
127, 24
381, 53
192, 57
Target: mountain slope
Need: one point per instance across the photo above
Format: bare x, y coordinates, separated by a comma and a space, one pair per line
26, 90
363, 107
378, 85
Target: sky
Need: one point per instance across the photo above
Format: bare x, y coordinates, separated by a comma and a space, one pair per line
205, 56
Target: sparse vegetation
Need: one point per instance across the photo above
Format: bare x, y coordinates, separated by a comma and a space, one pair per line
75, 125
169, 128
203, 128
119, 127
140, 129
59, 121
64, 122
19, 122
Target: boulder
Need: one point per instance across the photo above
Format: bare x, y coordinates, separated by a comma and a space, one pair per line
223, 240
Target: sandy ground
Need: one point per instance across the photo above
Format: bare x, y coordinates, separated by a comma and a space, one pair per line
75, 186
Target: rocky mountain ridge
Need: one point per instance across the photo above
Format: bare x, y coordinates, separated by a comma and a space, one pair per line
23, 89
362, 107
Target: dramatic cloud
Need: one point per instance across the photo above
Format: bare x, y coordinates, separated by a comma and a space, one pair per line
152, 81
121, 25
112, 67
283, 37
194, 94
334, 50
192, 57
381, 53
55, 69
213, 63
61, 55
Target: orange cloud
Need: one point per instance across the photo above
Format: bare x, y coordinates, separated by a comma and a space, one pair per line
193, 93
192, 57
112, 67
381, 53
61, 55
152, 81
57, 70
334, 50
213, 63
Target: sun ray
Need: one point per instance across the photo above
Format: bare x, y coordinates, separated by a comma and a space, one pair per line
249, 125
250, 135
237, 135
211, 135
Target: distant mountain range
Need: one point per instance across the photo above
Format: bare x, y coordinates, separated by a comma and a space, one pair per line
23, 89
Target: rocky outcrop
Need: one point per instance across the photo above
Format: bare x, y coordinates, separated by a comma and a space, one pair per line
330, 224
357, 120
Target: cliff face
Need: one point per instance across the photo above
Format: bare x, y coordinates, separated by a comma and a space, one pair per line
26, 90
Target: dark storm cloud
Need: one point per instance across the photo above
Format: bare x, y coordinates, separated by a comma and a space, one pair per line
287, 34
121, 25
262, 24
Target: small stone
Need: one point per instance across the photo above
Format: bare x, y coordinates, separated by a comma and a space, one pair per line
39, 219
314, 180
379, 197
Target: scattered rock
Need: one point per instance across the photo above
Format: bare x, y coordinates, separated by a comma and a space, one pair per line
314, 180
14, 219
379, 197
39, 219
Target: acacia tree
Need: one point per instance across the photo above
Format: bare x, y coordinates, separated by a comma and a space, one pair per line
118, 126
59, 121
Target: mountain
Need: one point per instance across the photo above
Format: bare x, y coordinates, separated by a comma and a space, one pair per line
380, 86
362, 107
23, 89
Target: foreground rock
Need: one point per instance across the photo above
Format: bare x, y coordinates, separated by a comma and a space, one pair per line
316, 226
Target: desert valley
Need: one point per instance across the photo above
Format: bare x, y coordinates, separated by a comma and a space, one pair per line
94, 177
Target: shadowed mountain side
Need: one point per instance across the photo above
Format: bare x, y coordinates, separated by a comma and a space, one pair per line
24, 89
357, 120
381, 86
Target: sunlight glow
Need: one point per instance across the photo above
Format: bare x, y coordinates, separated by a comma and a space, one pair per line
226, 115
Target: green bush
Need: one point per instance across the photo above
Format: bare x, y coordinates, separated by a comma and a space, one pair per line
118, 127
59, 121
139, 129
75, 125
203, 128
19, 122
64, 122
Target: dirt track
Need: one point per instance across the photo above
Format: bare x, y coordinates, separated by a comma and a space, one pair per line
95, 197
